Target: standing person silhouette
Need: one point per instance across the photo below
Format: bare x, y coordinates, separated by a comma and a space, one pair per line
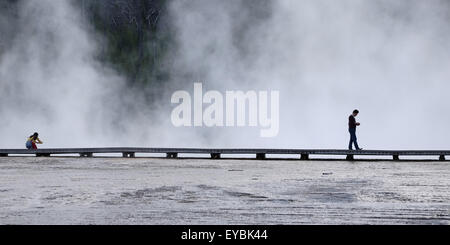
32, 141
352, 124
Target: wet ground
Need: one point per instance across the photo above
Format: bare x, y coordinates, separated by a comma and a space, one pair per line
196, 191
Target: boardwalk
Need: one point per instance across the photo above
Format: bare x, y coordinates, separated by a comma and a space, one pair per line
216, 153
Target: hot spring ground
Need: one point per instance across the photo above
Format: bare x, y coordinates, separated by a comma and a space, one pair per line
202, 191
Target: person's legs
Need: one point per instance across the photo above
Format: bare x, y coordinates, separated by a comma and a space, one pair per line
350, 144
34, 145
353, 139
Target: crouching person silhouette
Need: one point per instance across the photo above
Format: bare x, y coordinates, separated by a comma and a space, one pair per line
32, 141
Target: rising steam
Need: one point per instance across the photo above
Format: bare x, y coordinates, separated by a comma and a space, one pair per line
388, 59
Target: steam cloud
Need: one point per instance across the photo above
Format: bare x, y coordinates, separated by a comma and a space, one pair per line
389, 59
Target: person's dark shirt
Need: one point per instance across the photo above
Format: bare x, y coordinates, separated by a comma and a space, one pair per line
351, 122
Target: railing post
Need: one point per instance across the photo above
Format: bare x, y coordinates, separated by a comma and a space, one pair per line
128, 154
90, 154
172, 155
396, 157
4, 155
261, 156
442, 158
304, 157
43, 154
215, 155
350, 157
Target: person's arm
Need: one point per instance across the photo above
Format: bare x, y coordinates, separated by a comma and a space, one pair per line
38, 141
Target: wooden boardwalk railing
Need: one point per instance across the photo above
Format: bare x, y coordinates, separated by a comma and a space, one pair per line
304, 154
